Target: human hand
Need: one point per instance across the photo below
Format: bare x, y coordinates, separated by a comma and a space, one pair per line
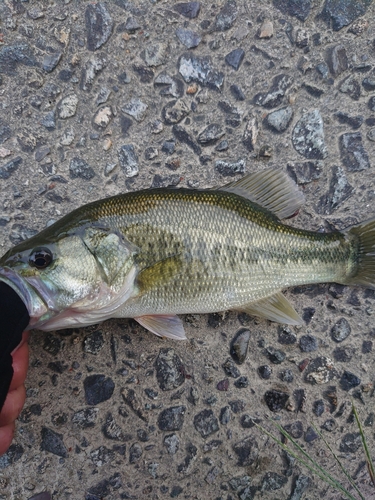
16, 395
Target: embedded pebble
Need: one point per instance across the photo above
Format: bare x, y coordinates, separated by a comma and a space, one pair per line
102, 117
350, 443
49, 120
226, 17
265, 371
188, 37
67, 107
337, 60
340, 330
320, 371
128, 160
299, 9
351, 87
348, 380
306, 172
50, 61
273, 481
85, 418
175, 111
247, 451
308, 136
170, 85
235, 58
210, 135
339, 191
154, 55
68, 137
266, 30
206, 423
308, 343
169, 370
172, 419
188, 9
318, 408
11, 166
135, 453
276, 400
227, 168
99, 25
286, 376
171, 443
80, 168
353, 154
200, 69
340, 13
231, 369
354, 122
53, 443
286, 335
135, 108
239, 346
276, 356
13, 55
275, 95
93, 342
98, 388
301, 484
280, 119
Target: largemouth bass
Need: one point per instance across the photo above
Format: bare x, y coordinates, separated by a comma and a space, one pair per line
154, 254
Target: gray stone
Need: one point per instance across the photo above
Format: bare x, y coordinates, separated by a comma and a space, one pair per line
351, 87
49, 120
80, 168
102, 456
276, 93
85, 418
175, 111
296, 8
351, 442
239, 346
308, 343
199, 69
355, 122
13, 55
169, 370
67, 107
337, 60
306, 172
320, 371
5, 132
135, 453
340, 330
368, 84
273, 481
135, 108
91, 70
353, 154
300, 486
112, 430
286, 376
132, 25
167, 181
339, 191
308, 136
98, 388
93, 343
276, 356
227, 168
371, 134
53, 443
206, 423
247, 451
172, 419
340, 13
169, 85
348, 380
50, 61
280, 119
226, 17
188, 9
99, 25
128, 160
235, 58
211, 134
172, 443
188, 37
11, 166
265, 371
154, 55
102, 117
276, 400
183, 136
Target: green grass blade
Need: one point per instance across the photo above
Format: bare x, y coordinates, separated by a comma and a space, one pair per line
315, 468
370, 463
348, 476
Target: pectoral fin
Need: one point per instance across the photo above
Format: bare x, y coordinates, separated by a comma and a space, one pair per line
163, 326
275, 308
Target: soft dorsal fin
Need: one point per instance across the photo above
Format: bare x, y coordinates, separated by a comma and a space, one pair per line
275, 308
271, 189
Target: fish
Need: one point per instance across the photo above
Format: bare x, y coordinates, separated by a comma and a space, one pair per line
155, 254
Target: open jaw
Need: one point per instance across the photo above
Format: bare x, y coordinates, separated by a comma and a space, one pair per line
39, 305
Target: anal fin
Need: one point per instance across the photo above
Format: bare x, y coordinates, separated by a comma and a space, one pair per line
275, 308
163, 325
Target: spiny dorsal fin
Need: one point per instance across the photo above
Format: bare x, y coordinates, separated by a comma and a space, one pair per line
275, 308
271, 189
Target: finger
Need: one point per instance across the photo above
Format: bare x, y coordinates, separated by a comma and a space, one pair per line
20, 366
13, 405
25, 338
6, 437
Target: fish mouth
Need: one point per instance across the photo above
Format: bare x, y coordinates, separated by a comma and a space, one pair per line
36, 300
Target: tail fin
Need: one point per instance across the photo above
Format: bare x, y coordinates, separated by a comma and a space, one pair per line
364, 234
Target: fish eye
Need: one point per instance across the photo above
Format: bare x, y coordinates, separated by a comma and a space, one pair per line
40, 258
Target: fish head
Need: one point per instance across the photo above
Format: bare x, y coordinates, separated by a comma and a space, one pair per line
63, 281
